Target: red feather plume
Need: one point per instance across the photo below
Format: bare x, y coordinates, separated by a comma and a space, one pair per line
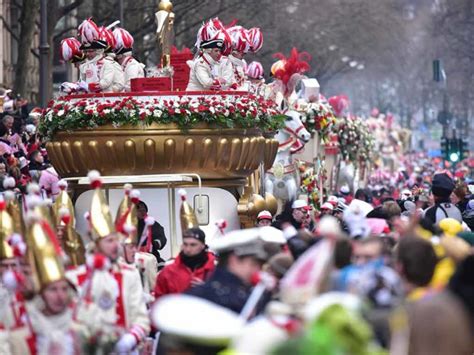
296, 63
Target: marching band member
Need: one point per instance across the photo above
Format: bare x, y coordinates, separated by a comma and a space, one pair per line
123, 49
99, 73
111, 291
12, 307
65, 221
126, 223
49, 327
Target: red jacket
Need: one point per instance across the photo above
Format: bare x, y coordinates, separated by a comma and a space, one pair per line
177, 277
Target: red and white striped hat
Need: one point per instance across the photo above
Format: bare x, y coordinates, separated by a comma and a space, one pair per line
123, 41
90, 35
70, 50
255, 38
209, 31
255, 70
240, 41
107, 37
214, 30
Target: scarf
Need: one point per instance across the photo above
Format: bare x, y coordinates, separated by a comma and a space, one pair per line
194, 262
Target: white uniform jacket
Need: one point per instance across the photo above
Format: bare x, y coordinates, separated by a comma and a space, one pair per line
205, 71
132, 69
112, 297
238, 73
105, 71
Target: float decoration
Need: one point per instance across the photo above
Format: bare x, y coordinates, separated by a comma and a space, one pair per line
226, 112
355, 140
318, 117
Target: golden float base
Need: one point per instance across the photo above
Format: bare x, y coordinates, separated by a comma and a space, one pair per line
211, 152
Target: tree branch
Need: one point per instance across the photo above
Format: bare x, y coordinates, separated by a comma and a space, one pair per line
66, 9
9, 29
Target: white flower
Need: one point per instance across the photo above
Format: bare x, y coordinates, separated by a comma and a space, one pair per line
212, 109
106, 111
157, 113
61, 113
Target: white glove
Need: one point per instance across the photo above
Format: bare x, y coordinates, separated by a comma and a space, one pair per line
125, 344
67, 87
83, 85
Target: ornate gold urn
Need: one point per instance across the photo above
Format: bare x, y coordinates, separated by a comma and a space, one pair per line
211, 152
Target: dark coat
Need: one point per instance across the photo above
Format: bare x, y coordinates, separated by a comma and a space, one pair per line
223, 288
159, 238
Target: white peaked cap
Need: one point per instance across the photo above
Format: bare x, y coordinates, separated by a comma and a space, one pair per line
271, 234
195, 319
242, 242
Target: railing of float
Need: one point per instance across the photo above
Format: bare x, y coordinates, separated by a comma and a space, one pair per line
170, 180
154, 94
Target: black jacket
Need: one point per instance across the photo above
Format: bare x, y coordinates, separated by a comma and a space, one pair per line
223, 288
159, 238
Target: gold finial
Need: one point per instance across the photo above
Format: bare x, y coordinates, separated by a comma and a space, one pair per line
165, 5
164, 31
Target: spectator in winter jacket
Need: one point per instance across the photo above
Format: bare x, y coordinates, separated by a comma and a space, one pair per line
192, 266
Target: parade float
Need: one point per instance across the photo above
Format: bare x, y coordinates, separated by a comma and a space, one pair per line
159, 137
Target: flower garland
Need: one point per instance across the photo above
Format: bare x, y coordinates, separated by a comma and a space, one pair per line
222, 111
309, 183
319, 117
355, 139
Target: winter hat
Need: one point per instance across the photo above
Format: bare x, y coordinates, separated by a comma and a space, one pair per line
442, 185
195, 233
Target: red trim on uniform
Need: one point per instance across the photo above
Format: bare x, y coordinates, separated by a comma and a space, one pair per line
81, 278
126, 61
119, 308
31, 341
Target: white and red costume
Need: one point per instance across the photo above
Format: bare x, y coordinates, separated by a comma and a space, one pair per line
113, 297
